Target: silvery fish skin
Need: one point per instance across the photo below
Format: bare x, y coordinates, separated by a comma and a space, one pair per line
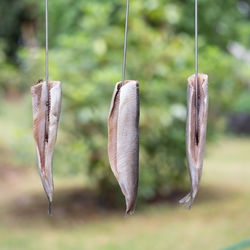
195, 144
46, 103
123, 139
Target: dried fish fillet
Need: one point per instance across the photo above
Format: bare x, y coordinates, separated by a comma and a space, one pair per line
195, 142
46, 102
123, 139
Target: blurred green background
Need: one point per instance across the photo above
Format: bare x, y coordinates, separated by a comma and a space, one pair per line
86, 50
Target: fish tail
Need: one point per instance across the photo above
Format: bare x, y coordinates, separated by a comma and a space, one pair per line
129, 212
130, 207
187, 201
50, 208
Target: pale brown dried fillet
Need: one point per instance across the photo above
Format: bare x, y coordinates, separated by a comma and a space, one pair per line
46, 112
112, 127
195, 146
123, 145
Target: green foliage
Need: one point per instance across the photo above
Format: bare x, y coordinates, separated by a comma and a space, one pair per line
10, 75
86, 41
242, 103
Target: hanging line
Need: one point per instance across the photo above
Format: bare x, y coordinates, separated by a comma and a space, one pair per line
125, 44
47, 42
196, 70
47, 74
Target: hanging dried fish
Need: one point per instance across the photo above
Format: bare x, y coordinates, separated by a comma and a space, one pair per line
46, 102
123, 139
195, 140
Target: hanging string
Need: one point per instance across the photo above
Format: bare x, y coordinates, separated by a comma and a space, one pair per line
125, 45
47, 42
196, 70
47, 75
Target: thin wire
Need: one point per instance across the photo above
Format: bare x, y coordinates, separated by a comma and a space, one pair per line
47, 79
196, 68
47, 42
125, 44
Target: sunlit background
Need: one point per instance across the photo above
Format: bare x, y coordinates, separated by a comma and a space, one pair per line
86, 50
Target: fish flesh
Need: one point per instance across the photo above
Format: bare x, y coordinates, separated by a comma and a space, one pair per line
123, 139
46, 103
196, 140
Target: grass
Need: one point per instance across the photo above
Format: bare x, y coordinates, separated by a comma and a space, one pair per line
219, 217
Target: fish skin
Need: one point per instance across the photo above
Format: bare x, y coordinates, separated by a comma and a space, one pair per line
194, 151
123, 141
45, 128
